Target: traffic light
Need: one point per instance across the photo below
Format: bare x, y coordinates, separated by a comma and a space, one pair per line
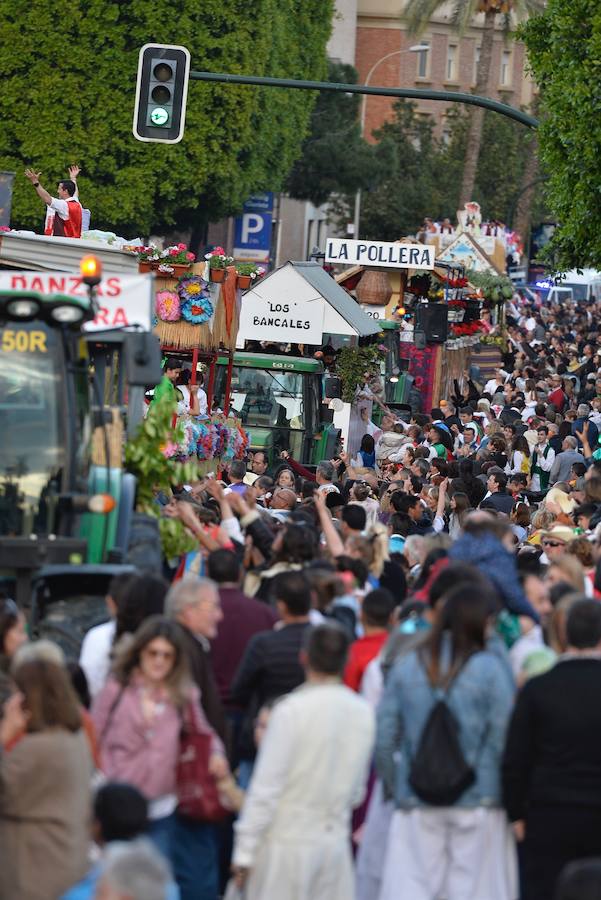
161, 93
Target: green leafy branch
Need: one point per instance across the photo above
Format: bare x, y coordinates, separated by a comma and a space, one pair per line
154, 471
495, 288
352, 365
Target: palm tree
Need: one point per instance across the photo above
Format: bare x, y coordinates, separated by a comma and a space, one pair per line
417, 16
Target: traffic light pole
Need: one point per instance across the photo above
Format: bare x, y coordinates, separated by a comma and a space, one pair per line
408, 93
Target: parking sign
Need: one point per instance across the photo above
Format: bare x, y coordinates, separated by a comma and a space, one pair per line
252, 231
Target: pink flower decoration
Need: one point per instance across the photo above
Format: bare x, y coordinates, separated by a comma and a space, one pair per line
190, 256
168, 306
218, 251
169, 449
181, 247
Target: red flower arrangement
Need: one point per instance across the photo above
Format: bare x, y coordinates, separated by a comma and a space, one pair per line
454, 282
465, 329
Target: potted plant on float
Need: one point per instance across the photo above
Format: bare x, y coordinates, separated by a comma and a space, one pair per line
175, 260
247, 273
218, 263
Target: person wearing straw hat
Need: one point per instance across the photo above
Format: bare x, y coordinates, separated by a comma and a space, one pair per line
555, 540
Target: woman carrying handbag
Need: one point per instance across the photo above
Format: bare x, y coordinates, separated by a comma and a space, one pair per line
145, 716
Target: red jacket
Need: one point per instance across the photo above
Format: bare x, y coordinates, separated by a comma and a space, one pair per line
360, 655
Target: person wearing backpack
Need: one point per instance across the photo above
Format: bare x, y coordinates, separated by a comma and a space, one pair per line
440, 738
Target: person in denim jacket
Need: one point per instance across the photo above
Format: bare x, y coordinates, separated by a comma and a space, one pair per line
465, 850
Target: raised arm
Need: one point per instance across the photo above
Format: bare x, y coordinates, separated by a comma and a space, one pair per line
333, 539
42, 193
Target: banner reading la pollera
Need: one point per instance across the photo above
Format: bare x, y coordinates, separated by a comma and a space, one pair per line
6, 196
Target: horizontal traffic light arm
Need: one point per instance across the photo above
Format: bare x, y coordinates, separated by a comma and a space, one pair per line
409, 93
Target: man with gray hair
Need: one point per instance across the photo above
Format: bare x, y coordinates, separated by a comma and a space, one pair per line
194, 602
562, 467
133, 871
324, 476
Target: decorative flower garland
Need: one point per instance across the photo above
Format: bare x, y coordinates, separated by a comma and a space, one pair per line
208, 439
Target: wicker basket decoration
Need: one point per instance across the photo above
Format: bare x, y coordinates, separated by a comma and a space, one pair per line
374, 289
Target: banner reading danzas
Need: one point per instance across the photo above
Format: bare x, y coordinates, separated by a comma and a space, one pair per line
123, 300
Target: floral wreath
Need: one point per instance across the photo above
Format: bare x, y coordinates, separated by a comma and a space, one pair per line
168, 306
189, 287
199, 309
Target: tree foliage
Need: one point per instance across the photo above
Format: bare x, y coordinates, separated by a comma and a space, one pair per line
564, 50
334, 157
68, 77
426, 181
417, 15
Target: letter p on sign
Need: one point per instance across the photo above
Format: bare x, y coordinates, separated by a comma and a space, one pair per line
252, 223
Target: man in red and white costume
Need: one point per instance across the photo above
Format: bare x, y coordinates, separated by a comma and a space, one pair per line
64, 215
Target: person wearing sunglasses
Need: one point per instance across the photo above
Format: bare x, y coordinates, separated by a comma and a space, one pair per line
138, 717
12, 636
555, 541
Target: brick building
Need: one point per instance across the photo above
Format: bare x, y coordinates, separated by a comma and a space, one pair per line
447, 62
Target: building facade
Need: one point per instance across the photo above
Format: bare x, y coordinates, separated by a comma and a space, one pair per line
386, 56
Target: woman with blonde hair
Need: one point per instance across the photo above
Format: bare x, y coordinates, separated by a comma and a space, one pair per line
139, 715
568, 569
584, 551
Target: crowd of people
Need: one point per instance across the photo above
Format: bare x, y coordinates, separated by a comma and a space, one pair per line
382, 673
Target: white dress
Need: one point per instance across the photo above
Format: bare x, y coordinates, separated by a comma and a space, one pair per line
294, 830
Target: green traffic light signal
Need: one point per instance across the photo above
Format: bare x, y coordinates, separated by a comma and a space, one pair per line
161, 93
159, 116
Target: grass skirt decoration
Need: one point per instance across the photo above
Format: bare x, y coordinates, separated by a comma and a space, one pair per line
213, 331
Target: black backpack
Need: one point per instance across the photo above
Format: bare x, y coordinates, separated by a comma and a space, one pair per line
439, 773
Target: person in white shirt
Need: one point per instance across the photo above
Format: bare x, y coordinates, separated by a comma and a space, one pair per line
324, 476
194, 399
64, 213
495, 385
95, 653
293, 835
542, 459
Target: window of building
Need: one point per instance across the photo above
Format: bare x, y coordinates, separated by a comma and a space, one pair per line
451, 71
423, 60
476, 64
505, 68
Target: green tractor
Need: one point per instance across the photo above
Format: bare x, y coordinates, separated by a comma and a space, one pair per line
279, 400
66, 505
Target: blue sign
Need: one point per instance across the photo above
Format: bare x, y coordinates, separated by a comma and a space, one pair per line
262, 201
252, 230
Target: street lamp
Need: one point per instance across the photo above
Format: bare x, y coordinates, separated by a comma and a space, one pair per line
416, 48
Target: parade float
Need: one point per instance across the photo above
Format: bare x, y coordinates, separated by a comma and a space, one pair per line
196, 316
463, 291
